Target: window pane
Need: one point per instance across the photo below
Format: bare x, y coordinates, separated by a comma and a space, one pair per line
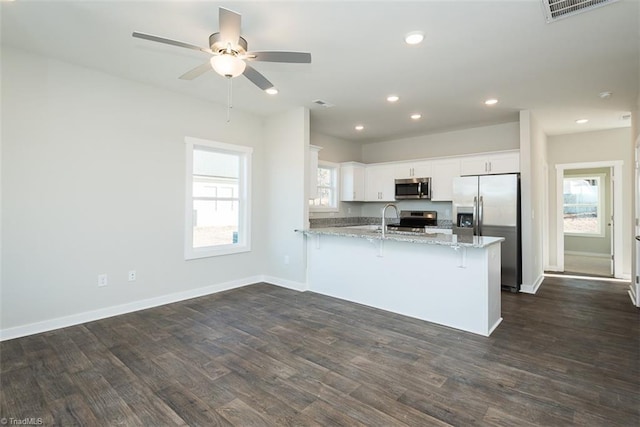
214, 223
221, 165
204, 186
324, 177
581, 205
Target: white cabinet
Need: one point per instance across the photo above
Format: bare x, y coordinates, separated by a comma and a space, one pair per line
486, 164
442, 174
313, 171
352, 176
420, 169
379, 183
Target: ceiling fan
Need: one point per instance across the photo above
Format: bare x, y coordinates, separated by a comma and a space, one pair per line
229, 53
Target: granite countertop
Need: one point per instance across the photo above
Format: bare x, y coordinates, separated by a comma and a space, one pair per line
370, 232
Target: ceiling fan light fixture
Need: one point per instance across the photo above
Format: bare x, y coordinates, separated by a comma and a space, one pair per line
272, 91
228, 65
491, 101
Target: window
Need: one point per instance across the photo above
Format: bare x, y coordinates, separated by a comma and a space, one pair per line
327, 200
583, 202
217, 202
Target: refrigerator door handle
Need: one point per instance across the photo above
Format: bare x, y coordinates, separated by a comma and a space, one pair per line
475, 215
480, 215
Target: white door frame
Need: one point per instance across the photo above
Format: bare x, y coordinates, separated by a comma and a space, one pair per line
616, 178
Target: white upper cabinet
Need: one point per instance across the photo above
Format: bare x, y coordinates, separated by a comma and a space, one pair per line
421, 169
313, 171
488, 164
442, 174
352, 176
380, 183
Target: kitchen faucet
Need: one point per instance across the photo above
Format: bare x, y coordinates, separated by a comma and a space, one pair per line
384, 210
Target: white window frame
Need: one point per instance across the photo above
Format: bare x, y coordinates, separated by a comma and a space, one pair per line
601, 206
244, 199
335, 202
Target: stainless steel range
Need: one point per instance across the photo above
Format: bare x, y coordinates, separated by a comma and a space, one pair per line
415, 221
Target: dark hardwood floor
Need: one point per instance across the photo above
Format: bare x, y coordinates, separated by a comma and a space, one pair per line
264, 355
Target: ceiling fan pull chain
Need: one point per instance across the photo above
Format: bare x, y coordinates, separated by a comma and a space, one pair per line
229, 100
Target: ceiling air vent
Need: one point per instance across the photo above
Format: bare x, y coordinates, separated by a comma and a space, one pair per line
322, 103
558, 9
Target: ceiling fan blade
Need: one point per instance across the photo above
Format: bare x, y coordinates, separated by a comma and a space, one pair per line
257, 78
169, 41
229, 22
196, 72
291, 57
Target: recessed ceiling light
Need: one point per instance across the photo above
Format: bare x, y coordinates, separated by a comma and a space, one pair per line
414, 37
605, 95
272, 91
359, 127
491, 101
393, 98
416, 116
582, 121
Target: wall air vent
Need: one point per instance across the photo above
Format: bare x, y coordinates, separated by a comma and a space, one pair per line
558, 9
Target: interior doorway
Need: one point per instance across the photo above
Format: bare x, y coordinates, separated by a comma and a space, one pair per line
589, 218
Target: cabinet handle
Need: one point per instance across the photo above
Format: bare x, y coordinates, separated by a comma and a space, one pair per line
486, 167
489, 166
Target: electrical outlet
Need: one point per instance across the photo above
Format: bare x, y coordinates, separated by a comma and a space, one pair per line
102, 280
286, 260
132, 276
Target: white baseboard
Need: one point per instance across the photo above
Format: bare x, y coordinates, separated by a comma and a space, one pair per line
285, 283
552, 268
589, 254
532, 289
632, 295
89, 316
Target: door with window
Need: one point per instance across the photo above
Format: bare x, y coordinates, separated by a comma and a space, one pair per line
588, 224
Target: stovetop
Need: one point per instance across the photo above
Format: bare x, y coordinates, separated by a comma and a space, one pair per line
415, 221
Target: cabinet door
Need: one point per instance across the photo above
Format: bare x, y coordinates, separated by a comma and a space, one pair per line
504, 163
379, 183
420, 169
402, 170
352, 182
474, 165
442, 175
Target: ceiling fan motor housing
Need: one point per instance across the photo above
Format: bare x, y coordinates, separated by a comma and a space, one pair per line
219, 45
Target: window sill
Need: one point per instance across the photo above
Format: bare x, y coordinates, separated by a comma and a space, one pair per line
215, 252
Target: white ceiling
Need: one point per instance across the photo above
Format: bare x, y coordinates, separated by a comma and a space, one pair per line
473, 50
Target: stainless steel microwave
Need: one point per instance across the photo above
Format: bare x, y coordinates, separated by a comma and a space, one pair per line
413, 188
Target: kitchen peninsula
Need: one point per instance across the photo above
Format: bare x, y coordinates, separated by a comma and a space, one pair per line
442, 278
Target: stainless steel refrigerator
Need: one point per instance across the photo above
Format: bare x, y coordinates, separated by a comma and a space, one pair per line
489, 205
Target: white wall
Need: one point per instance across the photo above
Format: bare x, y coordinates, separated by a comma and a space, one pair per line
532, 179
468, 141
286, 159
335, 149
93, 182
607, 145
